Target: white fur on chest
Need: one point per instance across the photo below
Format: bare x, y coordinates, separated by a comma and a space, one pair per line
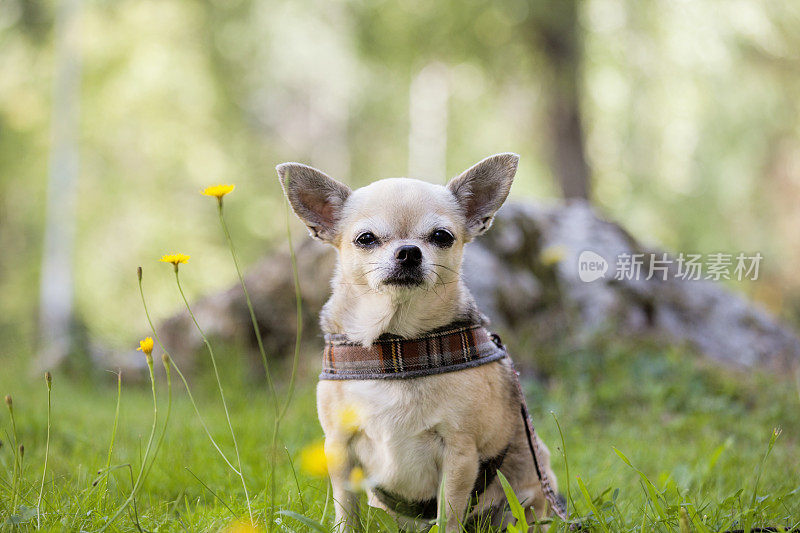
400, 445
407, 425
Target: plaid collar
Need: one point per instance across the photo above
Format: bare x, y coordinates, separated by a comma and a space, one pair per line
451, 348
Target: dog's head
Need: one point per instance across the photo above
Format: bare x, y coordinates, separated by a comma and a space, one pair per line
399, 234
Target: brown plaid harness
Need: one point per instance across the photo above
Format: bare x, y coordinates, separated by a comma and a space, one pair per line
448, 349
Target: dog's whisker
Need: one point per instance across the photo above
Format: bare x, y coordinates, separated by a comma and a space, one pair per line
445, 267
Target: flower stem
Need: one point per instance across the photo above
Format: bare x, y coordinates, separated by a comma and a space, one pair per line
280, 412
271, 454
102, 491
221, 392
253, 319
185, 383
46, 455
17, 461
166, 359
140, 477
290, 393
299, 310
325, 508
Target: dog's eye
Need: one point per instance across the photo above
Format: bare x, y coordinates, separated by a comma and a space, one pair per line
442, 237
366, 239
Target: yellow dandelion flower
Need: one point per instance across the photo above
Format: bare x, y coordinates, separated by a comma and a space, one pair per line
315, 459
242, 526
217, 191
357, 478
552, 255
175, 259
349, 419
146, 345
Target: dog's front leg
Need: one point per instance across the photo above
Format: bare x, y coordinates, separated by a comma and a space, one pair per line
345, 502
460, 469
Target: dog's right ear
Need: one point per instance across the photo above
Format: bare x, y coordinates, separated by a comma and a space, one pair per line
316, 198
482, 189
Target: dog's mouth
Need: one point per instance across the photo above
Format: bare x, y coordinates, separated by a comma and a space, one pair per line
405, 277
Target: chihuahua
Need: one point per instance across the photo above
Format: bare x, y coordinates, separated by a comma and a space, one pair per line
422, 442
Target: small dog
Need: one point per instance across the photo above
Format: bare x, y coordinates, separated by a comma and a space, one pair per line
400, 244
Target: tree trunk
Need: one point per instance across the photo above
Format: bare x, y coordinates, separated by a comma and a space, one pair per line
56, 285
555, 32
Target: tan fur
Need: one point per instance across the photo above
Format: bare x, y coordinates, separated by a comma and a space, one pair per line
414, 431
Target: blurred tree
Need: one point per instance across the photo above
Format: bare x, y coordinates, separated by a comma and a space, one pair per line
409, 35
56, 293
554, 30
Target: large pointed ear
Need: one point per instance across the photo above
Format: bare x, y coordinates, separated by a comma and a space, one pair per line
482, 189
316, 198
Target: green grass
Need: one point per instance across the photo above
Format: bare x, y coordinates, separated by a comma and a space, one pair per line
695, 438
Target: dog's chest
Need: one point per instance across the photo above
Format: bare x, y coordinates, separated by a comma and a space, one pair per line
400, 445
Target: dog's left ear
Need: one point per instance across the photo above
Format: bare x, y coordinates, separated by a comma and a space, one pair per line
482, 189
316, 198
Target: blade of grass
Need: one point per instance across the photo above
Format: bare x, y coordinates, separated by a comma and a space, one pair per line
102, 491
598, 516
296, 481
566, 463
440, 526
753, 510
15, 451
228, 507
49, 381
311, 523
517, 511
143, 467
650, 488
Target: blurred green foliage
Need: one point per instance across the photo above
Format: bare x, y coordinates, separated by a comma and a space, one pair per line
690, 111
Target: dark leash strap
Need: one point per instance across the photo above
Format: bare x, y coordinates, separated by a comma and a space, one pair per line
556, 504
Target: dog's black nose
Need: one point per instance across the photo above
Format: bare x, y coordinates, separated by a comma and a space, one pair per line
408, 255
